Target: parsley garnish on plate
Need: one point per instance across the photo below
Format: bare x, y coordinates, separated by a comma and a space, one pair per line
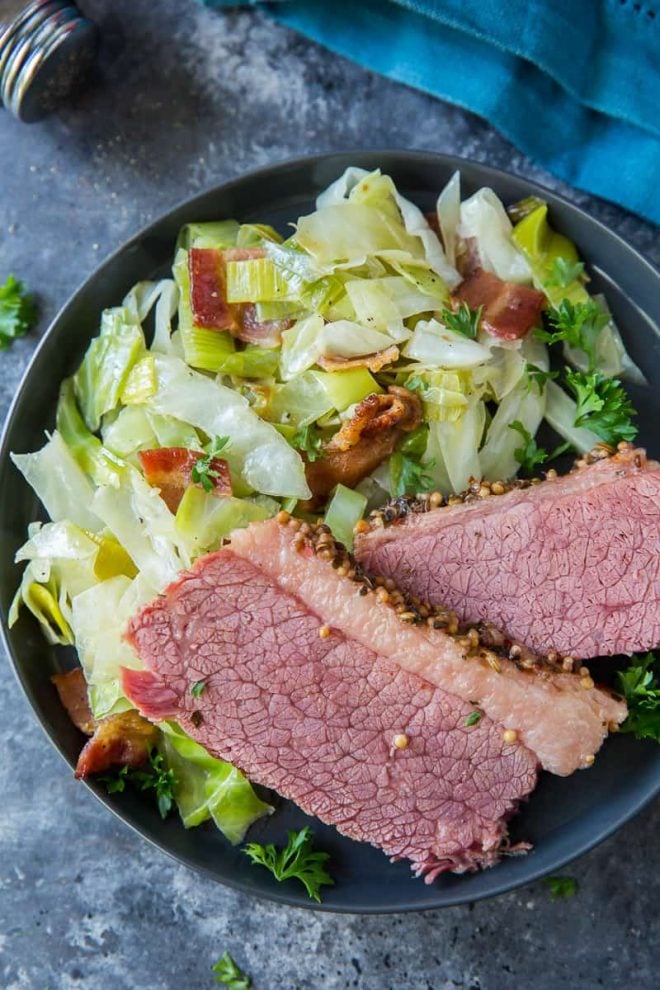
155, 776
531, 455
408, 475
309, 440
537, 376
227, 972
640, 686
579, 325
464, 320
602, 406
564, 273
297, 860
18, 312
561, 887
202, 472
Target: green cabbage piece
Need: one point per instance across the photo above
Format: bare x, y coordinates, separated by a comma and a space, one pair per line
59, 482
345, 509
100, 379
206, 520
206, 787
139, 519
256, 451
99, 619
436, 345
484, 219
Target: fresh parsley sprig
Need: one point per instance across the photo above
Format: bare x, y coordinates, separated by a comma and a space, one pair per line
227, 972
297, 860
561, 887
463, 320
408, 475
309, 440
602, 406
154, 777
530, 455
203, 472
640, 686
18, 311
579, 325
537, 376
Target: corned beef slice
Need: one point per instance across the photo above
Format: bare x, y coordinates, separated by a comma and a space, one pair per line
572, 563
315, 717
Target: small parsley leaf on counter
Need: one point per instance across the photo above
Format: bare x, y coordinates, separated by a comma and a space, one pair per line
227, 972
298, 860
561, 887
18, 312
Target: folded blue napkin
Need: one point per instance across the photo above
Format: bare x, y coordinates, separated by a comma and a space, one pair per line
575, 84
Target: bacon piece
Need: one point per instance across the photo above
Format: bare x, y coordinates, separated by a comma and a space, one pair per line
170, 470
374, 362
72, 689
365, 440
242, 253
119, 740
251, 331
208, 290
509, 310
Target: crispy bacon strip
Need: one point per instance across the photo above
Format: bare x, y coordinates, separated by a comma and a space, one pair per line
72, 689
208, 290
365, 440
170, 470
509, 310
374, 362
208, 298
123, 740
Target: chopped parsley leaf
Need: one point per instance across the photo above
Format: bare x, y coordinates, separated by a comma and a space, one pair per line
18, 312
561, 887
640, 686
464, 320
297, 861
227, 972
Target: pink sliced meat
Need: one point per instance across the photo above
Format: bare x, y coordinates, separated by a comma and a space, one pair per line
329, 722
571, 564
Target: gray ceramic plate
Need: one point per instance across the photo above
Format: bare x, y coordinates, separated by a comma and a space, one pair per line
563, 818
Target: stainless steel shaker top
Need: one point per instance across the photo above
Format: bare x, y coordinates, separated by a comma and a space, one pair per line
46, 46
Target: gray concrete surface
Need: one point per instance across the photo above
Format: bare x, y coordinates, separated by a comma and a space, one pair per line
184, 98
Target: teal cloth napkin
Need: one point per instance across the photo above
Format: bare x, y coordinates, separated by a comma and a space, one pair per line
575, 84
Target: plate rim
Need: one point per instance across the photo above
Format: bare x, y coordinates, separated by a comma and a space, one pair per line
449, 897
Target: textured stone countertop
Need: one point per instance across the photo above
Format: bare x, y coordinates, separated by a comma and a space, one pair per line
184, 98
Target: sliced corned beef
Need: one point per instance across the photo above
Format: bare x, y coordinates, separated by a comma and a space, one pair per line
571, 564
312, 712
559, 715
